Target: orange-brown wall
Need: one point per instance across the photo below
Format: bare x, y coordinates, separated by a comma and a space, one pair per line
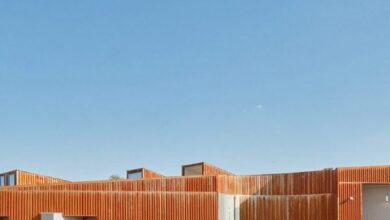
148, 174
210, 170
351, 181
304, 183
292, 196
350, 209
303, 196
26, 178
306, 195
173, 184
110, 205
304, 207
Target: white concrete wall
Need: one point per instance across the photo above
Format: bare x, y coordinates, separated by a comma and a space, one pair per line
375, 206
52, 216
228, 207
57, 216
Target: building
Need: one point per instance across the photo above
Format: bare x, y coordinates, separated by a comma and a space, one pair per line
203, 192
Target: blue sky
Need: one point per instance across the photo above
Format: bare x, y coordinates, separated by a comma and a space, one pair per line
92, 88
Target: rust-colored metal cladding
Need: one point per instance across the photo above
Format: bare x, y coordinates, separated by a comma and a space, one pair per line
18, 177
211, 170
148, 174
350, 201
204, 192
110, 205
204, 169
143, 173
350, 188
27, 178
303, 183
168, 184
372, 174
301, 207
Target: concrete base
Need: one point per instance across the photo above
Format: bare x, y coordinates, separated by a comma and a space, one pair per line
58, 216
228, 207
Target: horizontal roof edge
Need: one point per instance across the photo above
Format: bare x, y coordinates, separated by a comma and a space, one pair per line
363, 167
22, 171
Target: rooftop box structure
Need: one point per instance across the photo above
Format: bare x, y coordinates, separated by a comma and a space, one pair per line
202, 169
142, 173
18, 177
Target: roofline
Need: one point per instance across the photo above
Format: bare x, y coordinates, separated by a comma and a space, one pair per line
188, 165
205, 164
286, 173
22, 171
193, 164
11, 171
135, 170
363, 167
107, 181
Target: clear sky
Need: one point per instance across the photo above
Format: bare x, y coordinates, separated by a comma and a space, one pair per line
93, 88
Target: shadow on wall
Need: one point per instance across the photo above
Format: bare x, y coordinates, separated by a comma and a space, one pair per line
292, 207
59, 216
298, 196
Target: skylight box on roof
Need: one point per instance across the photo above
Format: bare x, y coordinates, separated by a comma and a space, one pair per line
135, 174
193, 170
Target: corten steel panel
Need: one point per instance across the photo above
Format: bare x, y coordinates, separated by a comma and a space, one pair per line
206, 169
179, 184
303, 207
351, 182
148, 174
26, 178
380, 174
350, 209
28, 205
316, 182
211, 170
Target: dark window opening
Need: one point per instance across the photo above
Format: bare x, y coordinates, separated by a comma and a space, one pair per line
193, 170
135, 174
2, 183
11, 180
8, 179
